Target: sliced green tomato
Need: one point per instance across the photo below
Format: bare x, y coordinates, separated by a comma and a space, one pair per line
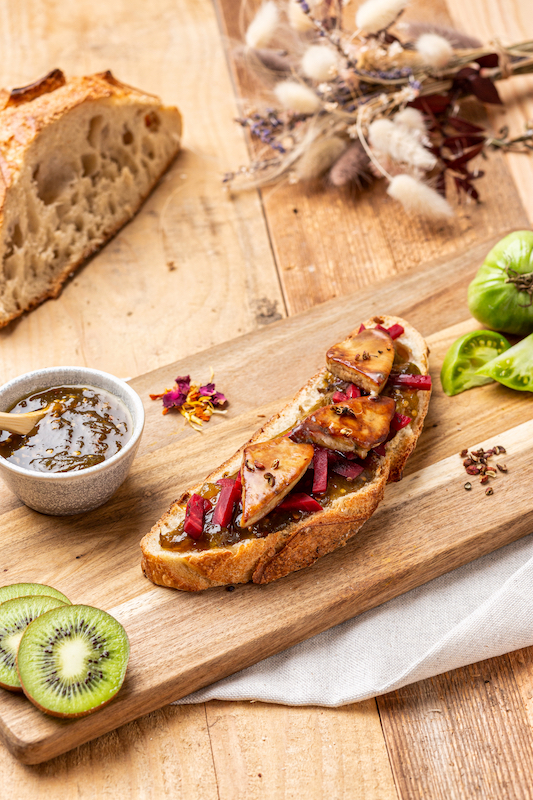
514, 367
466, 356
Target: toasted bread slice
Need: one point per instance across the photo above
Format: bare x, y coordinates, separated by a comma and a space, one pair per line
77, 159
300, 542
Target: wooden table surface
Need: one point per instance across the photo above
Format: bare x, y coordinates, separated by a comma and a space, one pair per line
196, 268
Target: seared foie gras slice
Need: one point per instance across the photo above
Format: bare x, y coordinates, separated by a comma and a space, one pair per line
352, 426
269, 471
365, 359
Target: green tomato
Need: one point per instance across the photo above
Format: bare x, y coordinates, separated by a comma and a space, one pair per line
514, 368
465, 356
501, 294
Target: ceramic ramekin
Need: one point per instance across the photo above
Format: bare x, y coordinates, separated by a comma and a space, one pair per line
71, 492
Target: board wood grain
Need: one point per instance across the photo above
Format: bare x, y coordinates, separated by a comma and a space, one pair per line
95, 559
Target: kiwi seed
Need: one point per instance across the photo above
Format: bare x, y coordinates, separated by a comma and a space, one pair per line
27, 589
15, 616
73, 660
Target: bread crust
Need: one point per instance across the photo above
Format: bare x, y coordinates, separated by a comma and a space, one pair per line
403, 444
21, 123
300, 543
28, 112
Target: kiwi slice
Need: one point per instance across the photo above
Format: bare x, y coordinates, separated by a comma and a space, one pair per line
73, 660
15, 616
27, 589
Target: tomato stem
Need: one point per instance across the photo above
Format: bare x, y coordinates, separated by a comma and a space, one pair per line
523, 282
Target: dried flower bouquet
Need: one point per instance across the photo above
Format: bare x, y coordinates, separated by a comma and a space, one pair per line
382, 101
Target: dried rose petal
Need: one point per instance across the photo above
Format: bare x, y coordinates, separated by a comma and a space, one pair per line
217, 398
174, 398
183, 384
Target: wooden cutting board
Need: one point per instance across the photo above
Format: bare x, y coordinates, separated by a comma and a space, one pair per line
427, 525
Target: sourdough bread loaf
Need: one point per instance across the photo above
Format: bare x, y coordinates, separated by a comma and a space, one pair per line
77, 159
301, 542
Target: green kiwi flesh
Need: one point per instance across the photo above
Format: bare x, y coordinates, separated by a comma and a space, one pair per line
15, 616
27, 589
73, 660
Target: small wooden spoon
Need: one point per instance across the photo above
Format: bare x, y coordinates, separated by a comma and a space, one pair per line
21, 423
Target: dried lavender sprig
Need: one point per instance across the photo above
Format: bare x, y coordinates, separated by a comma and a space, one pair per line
325, 33
255, 166
395, 77
521, 62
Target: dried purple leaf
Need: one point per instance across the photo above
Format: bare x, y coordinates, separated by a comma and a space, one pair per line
469, 81
489, 61
459, 161
463, 184
434, 103
485, 90
440, 183
463, 141
464, 126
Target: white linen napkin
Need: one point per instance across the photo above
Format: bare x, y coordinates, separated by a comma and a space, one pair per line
478, 611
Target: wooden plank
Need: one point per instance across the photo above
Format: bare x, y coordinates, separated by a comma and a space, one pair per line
328, 242
283, 753
237, 750
166, 754
385, 559
461, 735
521, 664
193, 268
